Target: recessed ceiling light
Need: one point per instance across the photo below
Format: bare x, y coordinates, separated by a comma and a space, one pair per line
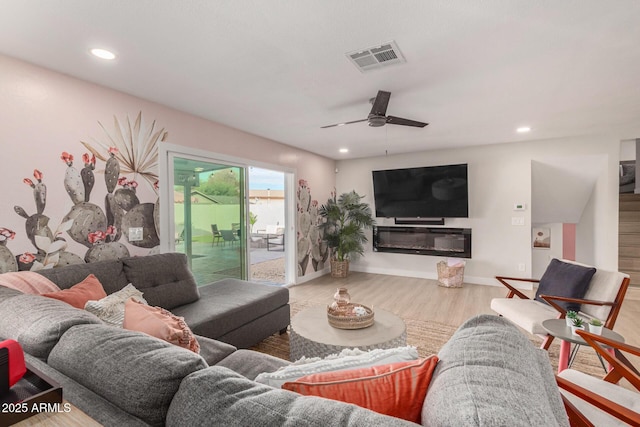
523, 129
344, 150
103, 53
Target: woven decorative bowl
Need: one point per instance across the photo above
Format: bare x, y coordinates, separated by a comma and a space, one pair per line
343, 317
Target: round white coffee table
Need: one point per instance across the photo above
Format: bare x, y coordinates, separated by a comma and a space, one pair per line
312, 336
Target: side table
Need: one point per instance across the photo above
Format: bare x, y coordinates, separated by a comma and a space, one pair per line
559, 329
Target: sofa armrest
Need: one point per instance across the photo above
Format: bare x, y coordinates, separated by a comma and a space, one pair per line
489, 373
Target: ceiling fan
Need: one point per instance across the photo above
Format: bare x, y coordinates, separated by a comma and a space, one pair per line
377, 116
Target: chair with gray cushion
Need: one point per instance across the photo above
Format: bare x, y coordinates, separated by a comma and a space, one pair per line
565, 285
229, 236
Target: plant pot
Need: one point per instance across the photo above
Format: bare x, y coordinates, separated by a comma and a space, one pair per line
339, 268
574, 328
595, 329
569, 321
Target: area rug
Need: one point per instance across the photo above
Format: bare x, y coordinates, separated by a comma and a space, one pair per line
428, 337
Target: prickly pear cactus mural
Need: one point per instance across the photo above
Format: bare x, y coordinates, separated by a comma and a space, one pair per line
88, 178
73, 181
129, 154
311, 244
38, 223
104, 248
7, 259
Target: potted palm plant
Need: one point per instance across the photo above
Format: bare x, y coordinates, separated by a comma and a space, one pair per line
344, 220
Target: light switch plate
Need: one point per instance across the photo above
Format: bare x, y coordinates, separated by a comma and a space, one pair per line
517, 220
135, 234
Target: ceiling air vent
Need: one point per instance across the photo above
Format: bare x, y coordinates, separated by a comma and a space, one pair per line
376, 57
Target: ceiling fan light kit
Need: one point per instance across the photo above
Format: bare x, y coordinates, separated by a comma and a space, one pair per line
377, 117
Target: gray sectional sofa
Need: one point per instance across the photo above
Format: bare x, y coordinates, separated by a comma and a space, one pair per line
234, 311
489, 374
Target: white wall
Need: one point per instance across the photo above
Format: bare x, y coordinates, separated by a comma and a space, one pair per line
44, 113
499, 176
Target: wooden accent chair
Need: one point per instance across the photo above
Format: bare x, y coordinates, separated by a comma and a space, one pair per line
592, 401
602, 300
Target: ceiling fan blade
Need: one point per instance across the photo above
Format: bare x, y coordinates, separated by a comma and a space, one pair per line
342, 124
380, 103
404, 122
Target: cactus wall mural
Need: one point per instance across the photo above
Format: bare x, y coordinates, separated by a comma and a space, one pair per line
129, 153
311, 246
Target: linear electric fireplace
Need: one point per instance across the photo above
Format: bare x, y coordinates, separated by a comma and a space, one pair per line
450, 242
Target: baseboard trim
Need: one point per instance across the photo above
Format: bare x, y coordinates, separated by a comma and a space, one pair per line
310, 276
477, 280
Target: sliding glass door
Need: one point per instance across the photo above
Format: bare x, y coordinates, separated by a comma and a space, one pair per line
209, 217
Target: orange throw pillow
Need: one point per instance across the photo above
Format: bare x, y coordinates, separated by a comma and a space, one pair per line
159, 323
396, 389
78, 295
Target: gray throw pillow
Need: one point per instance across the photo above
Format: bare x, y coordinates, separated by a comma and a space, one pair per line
565, 280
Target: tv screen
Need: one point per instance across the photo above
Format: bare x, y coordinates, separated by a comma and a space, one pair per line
424, 192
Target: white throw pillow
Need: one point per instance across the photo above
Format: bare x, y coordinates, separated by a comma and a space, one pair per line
347, 359
111, 308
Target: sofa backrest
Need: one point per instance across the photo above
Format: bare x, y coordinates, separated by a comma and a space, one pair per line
165, 279
37, 323
109, 273
136, 372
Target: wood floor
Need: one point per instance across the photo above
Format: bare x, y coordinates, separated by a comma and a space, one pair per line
423, 299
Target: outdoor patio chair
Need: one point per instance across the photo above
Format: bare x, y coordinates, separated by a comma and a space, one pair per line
216, 234
276, 240
592, 401
229, 236
602, 293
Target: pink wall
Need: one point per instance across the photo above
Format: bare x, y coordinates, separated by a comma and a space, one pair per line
569, 241
44, 113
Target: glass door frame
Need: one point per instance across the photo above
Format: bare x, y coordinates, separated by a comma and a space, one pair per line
166, 153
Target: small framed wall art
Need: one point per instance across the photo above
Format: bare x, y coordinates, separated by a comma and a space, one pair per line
541, 237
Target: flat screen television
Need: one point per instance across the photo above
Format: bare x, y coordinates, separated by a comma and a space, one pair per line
423, 192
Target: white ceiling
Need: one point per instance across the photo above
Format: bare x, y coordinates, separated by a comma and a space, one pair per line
475, 70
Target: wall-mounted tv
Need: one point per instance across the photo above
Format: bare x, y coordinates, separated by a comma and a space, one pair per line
423, 192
